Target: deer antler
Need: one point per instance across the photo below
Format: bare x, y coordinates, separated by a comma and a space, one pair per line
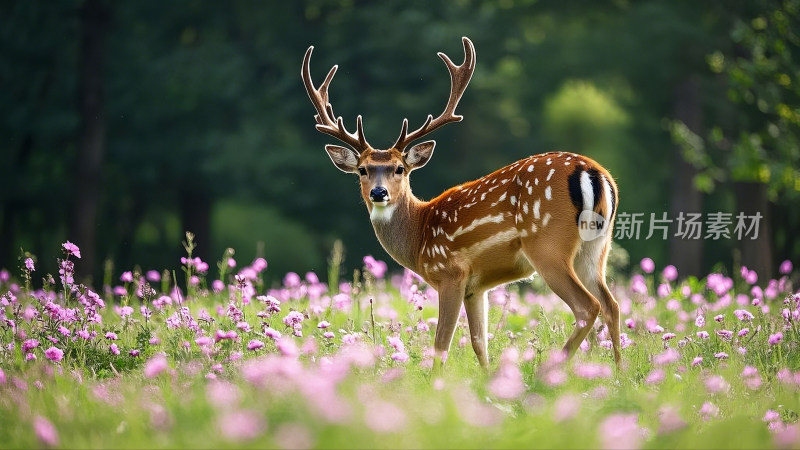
327, 121
459, 79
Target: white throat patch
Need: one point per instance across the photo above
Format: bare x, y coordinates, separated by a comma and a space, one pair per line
381, 213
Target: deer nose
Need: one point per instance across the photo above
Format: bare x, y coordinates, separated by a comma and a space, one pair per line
379, 194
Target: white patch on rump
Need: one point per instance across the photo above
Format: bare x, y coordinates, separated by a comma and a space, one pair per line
586, 191
607, 196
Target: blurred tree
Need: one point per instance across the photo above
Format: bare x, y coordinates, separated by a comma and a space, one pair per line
95, 15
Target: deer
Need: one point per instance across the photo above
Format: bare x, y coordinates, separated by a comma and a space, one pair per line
527, 218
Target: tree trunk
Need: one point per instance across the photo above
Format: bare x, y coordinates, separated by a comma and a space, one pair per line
83, 221
751, 198
196, 217
686, 254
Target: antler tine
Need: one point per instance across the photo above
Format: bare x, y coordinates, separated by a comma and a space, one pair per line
327, 121
459, 79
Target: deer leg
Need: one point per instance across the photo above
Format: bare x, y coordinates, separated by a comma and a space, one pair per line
451, 296
611, 317
561, 278
590, 265
477, 307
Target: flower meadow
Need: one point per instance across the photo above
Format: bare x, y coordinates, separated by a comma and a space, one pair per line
212, 357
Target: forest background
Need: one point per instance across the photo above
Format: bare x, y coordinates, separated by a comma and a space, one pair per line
126, 123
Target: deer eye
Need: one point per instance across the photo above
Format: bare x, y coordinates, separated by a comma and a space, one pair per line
399, 170
362, 171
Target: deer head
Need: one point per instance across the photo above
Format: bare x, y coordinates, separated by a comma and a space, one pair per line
384, 174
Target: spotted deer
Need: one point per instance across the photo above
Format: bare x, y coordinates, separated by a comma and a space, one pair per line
525, 218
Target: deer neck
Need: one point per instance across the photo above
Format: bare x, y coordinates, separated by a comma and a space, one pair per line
398, 228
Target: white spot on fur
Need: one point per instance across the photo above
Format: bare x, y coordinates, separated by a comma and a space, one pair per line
548, 193
475, 224
546, 219
536, 205
513, 200
496, 239
550, 174
525, 207
530, 168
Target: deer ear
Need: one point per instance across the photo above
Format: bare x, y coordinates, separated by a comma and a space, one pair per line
418, 155
344, 158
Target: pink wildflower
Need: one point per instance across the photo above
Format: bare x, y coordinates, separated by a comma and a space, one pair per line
709, 411
241, 426
255, 344
648, 266
775, 339
725, 334
71, 249
126, 277
620, 431
669, 356
721, 355
29, 265
271, 333
670, 273
155, 365
771, 416
375, 267
743, 315
384, 417
697, 360
656, 376
113, 349
786, 267
400, 356
54, 354
566, 407
45, 431
715, 384
669, 420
